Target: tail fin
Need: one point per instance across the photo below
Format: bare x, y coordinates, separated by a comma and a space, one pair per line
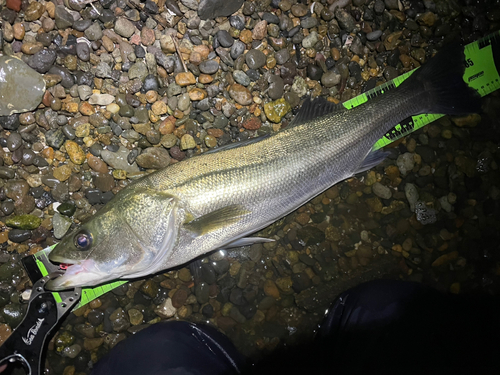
443, 88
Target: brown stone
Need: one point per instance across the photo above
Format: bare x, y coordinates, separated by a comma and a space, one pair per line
426, 19
47, 98
62, 173
18, 29
271, 290
48, 153
392, 40
147, 36
408, 62
51, 9
253, 123
299, 10
197, 94
444, 259
335, 54
86, 109
8, 33
71, 62
195, 58
185, 79
260, 30
302, 218
203, 50
108, 44
246, 36
70, 107
31, 48
75, 152
159, 108
179, 297
178, 114
240, 94
151, 96
142, 128
215, 132
34, 11
97, 164
15, 5
103, 181
205, 78
48, 24
52, 79
167, 126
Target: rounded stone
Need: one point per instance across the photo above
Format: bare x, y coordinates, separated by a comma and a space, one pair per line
240, 94
154, 158
224, 38
124, 27
255, 59
209, 67
22, 88
14, 141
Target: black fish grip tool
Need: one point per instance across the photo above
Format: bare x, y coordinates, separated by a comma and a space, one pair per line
45, 311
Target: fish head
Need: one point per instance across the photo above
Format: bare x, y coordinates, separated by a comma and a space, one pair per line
125, 239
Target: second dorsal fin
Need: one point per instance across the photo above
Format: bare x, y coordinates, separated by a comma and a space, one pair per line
312, 109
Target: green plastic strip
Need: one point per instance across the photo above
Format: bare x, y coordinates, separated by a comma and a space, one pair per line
88, 294
480, 74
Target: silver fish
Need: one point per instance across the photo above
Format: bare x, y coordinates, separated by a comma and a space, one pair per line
215, 200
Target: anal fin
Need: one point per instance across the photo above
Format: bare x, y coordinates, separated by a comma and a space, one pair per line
247, 241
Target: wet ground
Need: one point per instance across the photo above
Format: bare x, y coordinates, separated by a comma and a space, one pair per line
429, 213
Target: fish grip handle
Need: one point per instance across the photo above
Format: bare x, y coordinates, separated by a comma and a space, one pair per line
26, 343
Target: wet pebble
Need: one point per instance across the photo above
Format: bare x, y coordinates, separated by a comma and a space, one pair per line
24, 222
240, 77
19, 235
153, 158
14, 141
374, 35
330, 79
381, 191
202, 291
405, 163
237, 49
255, 59
166, 309
224, 38
240, 94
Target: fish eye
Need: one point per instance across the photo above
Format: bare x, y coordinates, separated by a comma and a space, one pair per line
83, 240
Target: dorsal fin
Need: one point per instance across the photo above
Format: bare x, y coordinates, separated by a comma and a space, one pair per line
312, 109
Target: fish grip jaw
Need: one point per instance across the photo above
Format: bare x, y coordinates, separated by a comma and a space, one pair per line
26, 343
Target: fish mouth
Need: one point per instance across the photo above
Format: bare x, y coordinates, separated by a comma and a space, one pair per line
78, 274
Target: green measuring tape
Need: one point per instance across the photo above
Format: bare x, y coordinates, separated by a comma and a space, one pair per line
482, 73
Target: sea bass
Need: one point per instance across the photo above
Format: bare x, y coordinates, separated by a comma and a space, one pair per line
215, 200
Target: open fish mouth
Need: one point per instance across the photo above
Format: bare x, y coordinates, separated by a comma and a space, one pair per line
77, 274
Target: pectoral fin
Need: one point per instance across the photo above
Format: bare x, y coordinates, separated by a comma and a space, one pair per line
218, 219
